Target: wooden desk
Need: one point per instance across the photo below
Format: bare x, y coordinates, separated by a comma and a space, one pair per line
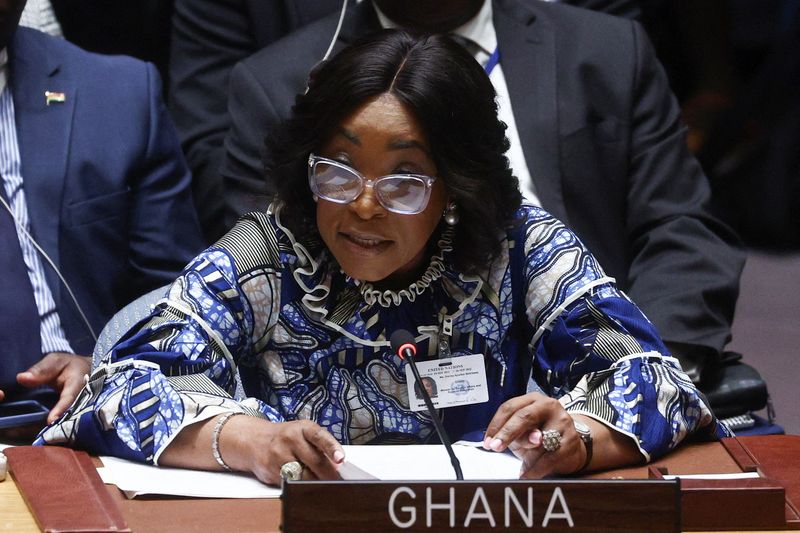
14, 515
189, 514
264, 515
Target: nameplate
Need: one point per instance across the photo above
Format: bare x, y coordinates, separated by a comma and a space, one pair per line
546, 505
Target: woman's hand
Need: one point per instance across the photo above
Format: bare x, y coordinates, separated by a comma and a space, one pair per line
249, 444
267, 446
518, 424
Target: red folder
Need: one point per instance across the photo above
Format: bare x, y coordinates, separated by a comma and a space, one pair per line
63, 489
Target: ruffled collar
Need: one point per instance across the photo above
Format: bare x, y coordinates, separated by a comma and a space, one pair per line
315, 270
389, 298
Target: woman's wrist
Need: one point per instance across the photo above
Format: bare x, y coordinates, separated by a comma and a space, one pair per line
611, 448
234, 442
587, 438
215, 438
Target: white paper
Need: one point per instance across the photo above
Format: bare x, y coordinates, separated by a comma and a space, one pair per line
391, 463
426, 462
136, 479
737, 475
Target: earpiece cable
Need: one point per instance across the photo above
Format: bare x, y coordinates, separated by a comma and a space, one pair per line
52, 265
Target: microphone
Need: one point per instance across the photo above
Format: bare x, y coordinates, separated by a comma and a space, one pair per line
403, 344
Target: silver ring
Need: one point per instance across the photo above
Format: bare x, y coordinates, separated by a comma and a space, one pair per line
292, 471
551, 440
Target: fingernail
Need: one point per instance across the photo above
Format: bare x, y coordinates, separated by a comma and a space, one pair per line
486, 441
535, 437
338, 456
496, 445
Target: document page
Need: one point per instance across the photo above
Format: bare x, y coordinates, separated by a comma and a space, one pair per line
136, 479
426, 462
390, 463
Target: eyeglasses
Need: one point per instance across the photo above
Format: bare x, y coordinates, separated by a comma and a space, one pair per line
406, 194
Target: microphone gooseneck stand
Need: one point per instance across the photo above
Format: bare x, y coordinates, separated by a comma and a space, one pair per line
403, 344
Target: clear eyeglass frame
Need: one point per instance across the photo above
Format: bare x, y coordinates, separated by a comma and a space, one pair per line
380, 187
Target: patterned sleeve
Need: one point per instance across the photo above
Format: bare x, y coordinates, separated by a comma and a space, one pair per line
175, 368
597, 352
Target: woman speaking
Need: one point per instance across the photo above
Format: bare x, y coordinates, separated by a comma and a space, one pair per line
396, 209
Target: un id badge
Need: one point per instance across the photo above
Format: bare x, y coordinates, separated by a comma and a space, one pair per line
449, 382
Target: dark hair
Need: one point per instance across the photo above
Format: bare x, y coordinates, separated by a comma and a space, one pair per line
454, 101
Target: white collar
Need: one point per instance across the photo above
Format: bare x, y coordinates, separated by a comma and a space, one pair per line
479, 29
3, 68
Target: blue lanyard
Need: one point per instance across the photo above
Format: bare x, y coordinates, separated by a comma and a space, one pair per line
494, 59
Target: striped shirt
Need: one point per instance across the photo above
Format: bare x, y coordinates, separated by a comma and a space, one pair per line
52, 333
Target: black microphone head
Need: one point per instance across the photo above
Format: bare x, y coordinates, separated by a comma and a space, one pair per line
401, 340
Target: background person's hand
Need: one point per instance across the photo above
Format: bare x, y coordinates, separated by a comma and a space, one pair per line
64, 372
518, 425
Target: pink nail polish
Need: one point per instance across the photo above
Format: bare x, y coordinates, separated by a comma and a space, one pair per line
496, 445
338, 456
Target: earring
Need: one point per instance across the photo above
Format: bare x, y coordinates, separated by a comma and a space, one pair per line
451, 214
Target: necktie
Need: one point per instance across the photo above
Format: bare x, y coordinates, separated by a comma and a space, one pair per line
20, 337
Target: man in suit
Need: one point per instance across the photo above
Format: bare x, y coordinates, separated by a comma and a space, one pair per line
93, 173
208, 38
598, 137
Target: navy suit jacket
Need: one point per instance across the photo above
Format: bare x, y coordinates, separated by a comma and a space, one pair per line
107, 188
602, 137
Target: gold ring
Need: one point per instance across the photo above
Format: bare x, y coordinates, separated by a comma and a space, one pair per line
551, 440
292, 471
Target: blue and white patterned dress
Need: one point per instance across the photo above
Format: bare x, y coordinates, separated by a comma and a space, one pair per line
309, 342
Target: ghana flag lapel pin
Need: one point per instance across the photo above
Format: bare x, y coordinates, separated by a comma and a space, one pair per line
52, 97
